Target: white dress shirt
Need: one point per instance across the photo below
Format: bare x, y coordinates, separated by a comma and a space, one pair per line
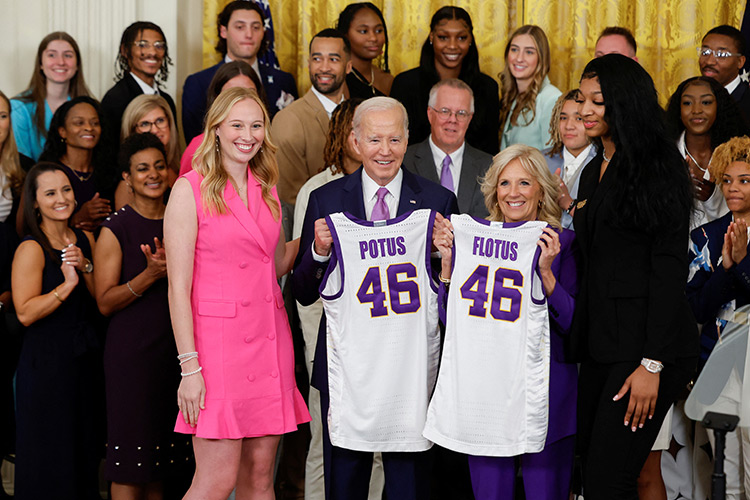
572, 165
328, 104
145, 87
731, 86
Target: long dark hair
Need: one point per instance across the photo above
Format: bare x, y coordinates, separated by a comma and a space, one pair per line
347, 16
728, 121
31, 216
469, 65
228, 71
652, 186
122, 66
55, 148
37, 90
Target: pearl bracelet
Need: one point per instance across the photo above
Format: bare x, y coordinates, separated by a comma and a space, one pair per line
183, 361
187, 355
192, 372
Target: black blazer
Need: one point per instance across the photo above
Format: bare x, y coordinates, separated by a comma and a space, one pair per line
632, 301
418, 159
412, 89
741, 96
345, 195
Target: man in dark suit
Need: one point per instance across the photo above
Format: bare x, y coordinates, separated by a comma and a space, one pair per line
142, 64
445, 157
722, 56
380, 137
241, 30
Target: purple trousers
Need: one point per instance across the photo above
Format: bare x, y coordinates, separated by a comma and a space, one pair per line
546, 475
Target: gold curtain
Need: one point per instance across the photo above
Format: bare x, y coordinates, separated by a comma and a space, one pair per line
667, 32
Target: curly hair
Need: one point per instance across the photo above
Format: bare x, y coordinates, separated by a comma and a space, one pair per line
207, 158
554, 124
535, 165
347, 16
525, 103
339, 130
735, 149
122, 64
36, 92
728, 123
135, 143
470, 64
652, 183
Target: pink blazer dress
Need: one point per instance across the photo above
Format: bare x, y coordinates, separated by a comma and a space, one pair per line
242, 335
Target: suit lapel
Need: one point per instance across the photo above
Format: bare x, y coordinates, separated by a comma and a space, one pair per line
318, 111
352, 198
410, 198
467, 182
244, 215
599, 192
425, 163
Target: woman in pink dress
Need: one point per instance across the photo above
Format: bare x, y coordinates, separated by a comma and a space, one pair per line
225, 252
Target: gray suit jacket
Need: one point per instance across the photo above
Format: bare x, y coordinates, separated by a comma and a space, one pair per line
418, 159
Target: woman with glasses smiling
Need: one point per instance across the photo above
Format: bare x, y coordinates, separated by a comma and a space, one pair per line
150, 113
142, 67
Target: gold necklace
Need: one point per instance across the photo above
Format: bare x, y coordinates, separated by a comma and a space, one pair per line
362, 79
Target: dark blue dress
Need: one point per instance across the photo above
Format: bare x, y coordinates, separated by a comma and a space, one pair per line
59, 397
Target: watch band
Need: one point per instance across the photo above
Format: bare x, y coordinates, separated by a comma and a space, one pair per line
651, 365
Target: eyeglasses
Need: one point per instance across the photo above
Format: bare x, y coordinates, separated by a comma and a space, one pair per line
145, 126
718, 54
145, 45
444, 113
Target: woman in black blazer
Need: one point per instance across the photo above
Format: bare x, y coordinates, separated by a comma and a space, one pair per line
634, 331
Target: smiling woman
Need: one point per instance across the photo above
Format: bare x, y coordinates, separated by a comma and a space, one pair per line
528, 95
701, 115
57, 77
225, 253
450, 51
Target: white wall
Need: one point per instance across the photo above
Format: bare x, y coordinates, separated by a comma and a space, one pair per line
97, 26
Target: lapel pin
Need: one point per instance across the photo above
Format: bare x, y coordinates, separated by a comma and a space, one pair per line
581, 204
413, 202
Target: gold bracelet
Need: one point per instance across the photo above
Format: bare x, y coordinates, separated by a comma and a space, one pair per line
57, 296
447, 281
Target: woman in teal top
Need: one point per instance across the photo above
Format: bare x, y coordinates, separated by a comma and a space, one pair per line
528, 95
57, 77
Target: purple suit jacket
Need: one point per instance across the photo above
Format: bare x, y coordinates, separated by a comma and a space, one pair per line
563, 376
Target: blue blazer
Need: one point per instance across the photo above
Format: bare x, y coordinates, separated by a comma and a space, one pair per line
555, 162
712, 286
196, 87
345, 195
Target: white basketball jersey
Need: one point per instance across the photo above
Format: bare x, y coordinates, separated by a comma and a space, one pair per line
383, 340
491, 396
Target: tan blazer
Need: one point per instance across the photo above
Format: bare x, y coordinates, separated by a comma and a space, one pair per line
299, 131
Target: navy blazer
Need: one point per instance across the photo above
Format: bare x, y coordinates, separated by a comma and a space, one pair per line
418, 159
712, 286
194, 94
345, 195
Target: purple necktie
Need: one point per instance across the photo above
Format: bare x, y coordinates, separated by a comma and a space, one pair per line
446, 178
380, 210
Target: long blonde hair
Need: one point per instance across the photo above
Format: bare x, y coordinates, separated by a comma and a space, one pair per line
10, 164
207, 158
526, 102
140, 107
535, 165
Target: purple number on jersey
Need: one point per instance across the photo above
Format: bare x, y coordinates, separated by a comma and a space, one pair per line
475, 289
396, 288
371, 291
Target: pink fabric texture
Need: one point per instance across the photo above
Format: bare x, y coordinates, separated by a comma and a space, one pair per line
241, 330
186, 162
